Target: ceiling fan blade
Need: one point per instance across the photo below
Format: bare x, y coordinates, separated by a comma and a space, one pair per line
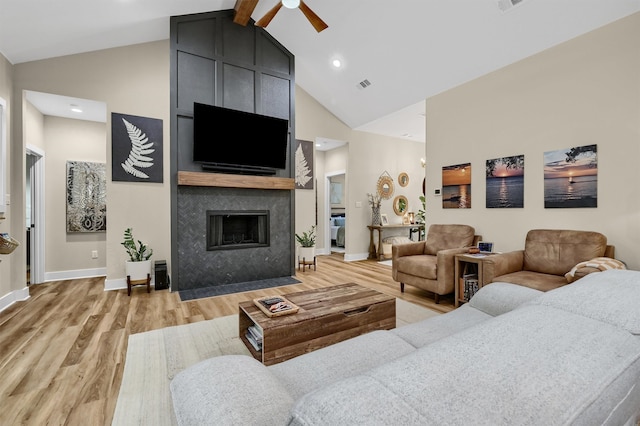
264, 21
314, 19
243, 10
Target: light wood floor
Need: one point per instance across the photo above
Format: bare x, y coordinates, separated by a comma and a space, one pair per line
62, 352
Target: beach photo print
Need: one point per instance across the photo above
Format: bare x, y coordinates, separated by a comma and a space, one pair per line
505, 182
571, 177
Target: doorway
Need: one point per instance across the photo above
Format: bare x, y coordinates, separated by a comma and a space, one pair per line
336, 203
34, 220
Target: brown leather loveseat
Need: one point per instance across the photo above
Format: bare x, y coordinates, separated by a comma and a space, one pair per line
548, 255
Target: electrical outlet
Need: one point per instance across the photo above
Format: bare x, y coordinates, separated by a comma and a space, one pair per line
94, 254
358, 204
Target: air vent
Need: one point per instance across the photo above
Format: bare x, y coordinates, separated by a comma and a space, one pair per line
506, 5
364, 84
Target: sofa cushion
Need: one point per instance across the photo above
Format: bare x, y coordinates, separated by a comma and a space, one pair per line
552, 367
421, 265
553, 251
351, 357
591, 297
429, 330
443, 237
499, 298
229, 390
534, 280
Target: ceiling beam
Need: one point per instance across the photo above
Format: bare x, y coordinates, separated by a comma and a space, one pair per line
244, 9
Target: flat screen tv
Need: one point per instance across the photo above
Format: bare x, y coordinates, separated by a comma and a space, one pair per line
235, 141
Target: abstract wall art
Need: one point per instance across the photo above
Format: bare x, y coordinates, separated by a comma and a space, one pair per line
86, 197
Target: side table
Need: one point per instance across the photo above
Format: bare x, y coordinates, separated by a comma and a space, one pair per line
469, 268
373, 254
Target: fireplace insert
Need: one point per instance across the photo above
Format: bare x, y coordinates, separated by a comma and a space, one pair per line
237, 229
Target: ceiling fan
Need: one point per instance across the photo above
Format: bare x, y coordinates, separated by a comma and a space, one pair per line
244, 9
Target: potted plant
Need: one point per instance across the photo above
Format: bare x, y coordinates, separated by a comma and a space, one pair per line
307, 243
138, 265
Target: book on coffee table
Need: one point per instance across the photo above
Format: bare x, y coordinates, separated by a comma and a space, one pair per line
274, 306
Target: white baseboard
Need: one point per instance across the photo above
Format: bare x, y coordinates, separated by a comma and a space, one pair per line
353, 257
74, 274
120, 283
13, 297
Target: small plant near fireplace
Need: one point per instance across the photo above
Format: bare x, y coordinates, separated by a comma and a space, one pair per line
308, 238
137, 252
138, 268
307, 251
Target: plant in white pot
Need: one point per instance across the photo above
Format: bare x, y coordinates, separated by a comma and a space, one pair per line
307, 249
138, 265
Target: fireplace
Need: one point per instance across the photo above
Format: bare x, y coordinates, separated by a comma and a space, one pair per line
237, 229
249, 258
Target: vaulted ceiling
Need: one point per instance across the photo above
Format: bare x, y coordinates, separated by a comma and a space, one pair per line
406, 50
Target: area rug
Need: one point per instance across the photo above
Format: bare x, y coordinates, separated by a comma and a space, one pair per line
155, 357
219, 290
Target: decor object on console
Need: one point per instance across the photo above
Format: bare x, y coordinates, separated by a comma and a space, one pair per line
138, 267
548, 255
374, 202
572, 353
429, 264
136, 148
86, 197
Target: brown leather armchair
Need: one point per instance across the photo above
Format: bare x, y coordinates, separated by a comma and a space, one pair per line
547, 256
429, 264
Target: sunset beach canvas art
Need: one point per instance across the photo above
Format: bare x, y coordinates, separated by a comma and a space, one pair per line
456, 186
571, 177
505, 182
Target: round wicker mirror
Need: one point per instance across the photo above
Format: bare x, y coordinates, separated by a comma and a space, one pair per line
403, 179
385, 187
400, 205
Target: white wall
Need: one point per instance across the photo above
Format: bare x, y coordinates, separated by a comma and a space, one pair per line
365, 157
130, 80
585, 91
70, 140
7, 285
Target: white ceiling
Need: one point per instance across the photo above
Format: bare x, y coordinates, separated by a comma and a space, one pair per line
408, 49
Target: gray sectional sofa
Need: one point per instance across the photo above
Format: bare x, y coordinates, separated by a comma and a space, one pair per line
512, 356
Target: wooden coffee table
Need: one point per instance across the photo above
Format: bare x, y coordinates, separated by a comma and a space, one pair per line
326, 316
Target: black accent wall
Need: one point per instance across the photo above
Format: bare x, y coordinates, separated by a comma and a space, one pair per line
217, 62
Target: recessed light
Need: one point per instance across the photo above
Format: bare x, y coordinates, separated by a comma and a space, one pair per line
337, 63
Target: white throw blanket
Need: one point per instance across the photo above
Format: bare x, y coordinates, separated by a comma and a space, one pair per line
601, 263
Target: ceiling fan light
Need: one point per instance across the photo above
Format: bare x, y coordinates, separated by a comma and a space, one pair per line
291, 4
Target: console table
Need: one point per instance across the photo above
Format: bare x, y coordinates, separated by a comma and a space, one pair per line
381, 228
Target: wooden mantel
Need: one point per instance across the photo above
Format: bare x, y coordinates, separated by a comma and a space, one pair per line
234, 181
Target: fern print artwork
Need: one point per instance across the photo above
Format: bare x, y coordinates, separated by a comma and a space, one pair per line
136, 148
304, 165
